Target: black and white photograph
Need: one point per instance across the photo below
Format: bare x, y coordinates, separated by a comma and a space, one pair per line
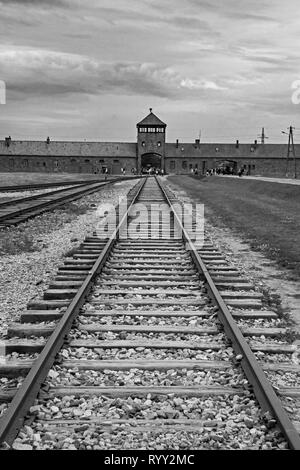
149, 229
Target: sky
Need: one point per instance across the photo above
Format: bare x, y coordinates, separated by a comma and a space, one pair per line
91, 69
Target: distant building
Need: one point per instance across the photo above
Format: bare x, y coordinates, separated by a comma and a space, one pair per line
150, 150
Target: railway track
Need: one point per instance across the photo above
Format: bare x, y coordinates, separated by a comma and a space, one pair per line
141, 343
29, 187
19, 210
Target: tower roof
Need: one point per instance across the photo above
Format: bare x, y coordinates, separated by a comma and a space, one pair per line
151, 120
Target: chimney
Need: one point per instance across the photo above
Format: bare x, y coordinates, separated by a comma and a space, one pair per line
237, 144
177, 143
197, 142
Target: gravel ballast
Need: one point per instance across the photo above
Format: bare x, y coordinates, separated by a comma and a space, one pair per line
52, 235
233, 422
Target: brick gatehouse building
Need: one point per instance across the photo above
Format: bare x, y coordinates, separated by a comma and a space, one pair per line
150, 149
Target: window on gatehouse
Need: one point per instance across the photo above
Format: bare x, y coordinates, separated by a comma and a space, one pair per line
151, 129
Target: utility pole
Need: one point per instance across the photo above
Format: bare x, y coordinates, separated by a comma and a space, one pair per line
263, 136
291, 149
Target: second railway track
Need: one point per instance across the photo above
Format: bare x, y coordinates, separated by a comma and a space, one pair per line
19, 210
141, 343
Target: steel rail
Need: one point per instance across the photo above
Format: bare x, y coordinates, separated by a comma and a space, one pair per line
69, 186
13, 418
25, 187
262, 388
28, 187
79, 191
19, 200
52, 203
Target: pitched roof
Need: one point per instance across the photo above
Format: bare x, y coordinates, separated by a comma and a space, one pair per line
151, 120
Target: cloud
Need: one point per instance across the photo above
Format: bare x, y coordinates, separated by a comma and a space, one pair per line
59, 3
235, 9
32, 72
242, 81
187, 22
253, 17
31, 12
200, 85
154, 20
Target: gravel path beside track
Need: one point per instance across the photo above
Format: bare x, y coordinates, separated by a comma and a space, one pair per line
25, 275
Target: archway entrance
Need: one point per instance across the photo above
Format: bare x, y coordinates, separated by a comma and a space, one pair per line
227, 167
150, 162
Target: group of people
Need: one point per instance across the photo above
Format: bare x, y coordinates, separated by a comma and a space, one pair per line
148, 171
153, 171
220, 171
225, 171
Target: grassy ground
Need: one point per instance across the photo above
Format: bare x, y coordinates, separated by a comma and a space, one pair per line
265, 214
11, 179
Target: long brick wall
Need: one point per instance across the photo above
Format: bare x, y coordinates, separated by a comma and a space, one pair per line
95, 157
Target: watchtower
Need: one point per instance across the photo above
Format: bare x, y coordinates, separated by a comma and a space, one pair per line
151, 139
